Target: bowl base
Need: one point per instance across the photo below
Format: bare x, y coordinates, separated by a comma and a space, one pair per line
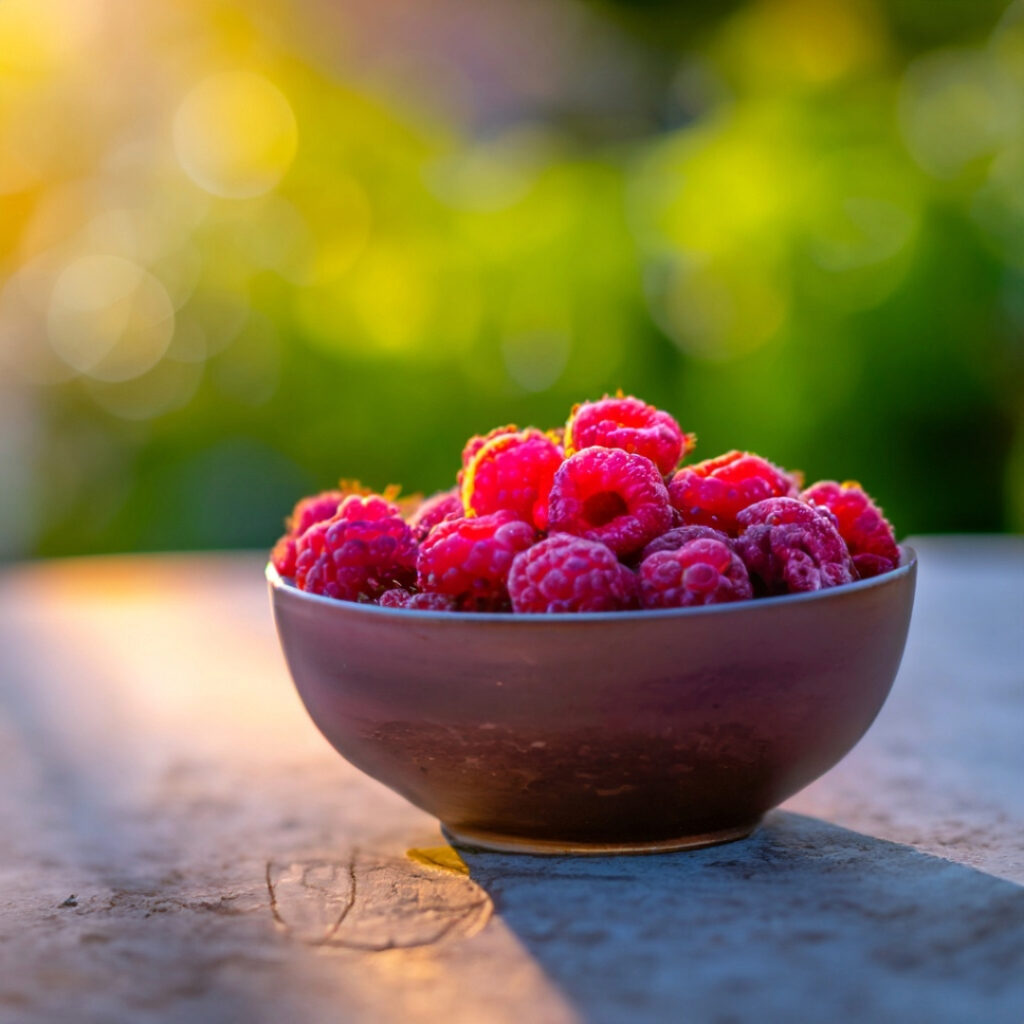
496, 842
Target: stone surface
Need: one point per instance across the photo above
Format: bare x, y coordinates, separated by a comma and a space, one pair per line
177, 843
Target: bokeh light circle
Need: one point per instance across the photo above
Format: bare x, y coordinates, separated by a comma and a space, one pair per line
108, 318
235, 134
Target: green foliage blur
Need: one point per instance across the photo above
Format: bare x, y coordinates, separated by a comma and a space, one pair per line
249, 250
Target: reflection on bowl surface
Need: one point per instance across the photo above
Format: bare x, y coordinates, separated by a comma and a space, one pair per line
605, 732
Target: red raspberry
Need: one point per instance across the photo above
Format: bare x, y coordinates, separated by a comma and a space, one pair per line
675, 538
362, 551
627, 423
702, 571
477, 441
789, 546
570, 574
514, 472
469, 559
307, 512
608, 495
399, 597
713, 492
868, 534
434, 510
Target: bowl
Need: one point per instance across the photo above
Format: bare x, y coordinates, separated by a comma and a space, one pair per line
605, 732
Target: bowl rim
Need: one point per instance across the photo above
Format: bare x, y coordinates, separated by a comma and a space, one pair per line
281, 584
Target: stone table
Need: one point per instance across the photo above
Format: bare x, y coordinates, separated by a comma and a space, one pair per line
179, 844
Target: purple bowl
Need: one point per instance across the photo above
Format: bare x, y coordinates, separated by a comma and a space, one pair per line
603, 732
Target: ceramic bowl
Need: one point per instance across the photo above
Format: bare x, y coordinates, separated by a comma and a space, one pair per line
603, 732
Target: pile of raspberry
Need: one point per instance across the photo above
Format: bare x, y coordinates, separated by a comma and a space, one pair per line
597, 516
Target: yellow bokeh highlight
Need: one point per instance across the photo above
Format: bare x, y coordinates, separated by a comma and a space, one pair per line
235, 134
109, 319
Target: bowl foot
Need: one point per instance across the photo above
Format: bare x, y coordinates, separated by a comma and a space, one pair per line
496, 842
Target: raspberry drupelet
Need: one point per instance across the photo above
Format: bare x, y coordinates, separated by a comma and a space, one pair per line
714, 492
789, 546
867, 532
512, 471
608, 495
433, 510
570, 574
469, 559
627, 423
307, 512
702, 571
363, 550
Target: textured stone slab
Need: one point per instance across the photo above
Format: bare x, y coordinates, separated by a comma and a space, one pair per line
177, 843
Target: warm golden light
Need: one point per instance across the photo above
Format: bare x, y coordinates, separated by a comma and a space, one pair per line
235, 134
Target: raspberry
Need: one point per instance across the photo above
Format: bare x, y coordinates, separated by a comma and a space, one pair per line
469, 559
867, 532
570, 574
789, 546
629, 424
702, 571
514, 472
362, 551
713, 492
434, 510
367, 508
307, 512
399, 597
477, 441
611, 496
675, 538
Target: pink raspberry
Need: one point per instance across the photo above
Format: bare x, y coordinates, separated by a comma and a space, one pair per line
477, 441
570, 574
362, 551
434, 510
513, 472
713, 492
469, 559
307, 512
675, 538
399, 597
702, 571
868, 534
789, 546
627, 423
611, 496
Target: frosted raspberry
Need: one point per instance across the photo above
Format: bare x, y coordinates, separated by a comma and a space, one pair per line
400, 597
702, 571
789, 546
867, 532
570, 574
514, 472
469, 559
434, 510
675, 538
363, 550
608, 495
629, 424
306, 512
713, 492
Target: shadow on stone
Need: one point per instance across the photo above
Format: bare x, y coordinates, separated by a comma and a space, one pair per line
804, 922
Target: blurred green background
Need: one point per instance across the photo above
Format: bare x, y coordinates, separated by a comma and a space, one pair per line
247, 249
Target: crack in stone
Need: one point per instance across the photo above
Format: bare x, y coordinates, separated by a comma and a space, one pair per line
386, 903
